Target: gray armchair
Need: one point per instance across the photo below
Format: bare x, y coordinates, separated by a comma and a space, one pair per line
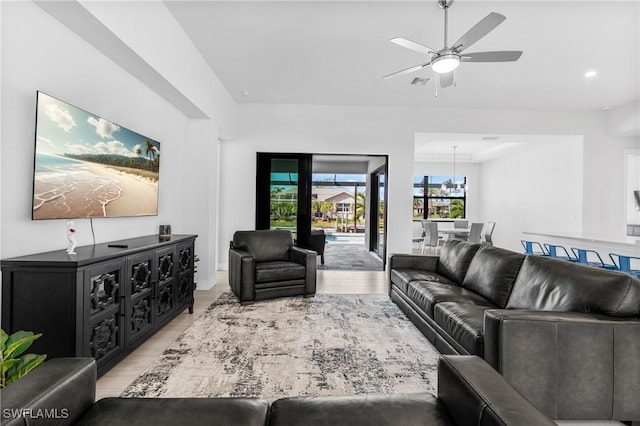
265, 264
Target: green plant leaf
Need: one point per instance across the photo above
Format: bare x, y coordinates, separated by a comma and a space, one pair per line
27, 363
19, 342
3, 339
7, 365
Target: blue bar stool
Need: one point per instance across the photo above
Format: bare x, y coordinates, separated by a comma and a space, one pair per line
533, 248
583, 257
623, 263
559, 252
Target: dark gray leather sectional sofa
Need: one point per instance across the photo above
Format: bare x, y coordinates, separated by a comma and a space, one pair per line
470, 392
566, 336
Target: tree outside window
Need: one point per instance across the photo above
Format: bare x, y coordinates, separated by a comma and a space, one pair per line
439, 197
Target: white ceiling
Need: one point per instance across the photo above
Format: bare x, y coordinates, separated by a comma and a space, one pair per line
335, 52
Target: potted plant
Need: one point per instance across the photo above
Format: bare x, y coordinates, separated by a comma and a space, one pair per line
14, 363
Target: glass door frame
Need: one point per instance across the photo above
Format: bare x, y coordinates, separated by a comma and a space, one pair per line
263, 193
374, 242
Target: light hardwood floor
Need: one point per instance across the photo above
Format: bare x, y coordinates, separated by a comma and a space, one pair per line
127, 370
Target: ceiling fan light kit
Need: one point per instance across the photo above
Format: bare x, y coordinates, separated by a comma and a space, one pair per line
447, 59
445, 63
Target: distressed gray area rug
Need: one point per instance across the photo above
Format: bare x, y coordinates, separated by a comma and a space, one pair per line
326, 345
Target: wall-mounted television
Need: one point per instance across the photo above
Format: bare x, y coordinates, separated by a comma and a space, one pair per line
86, 166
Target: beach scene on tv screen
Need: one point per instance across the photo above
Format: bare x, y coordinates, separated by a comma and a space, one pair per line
86, 166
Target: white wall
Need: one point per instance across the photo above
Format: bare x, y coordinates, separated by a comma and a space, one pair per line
39, 53
536, 189
390, 130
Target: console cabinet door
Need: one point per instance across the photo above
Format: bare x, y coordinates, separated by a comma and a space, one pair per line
185, 286
166, 282
104, 305
140, 296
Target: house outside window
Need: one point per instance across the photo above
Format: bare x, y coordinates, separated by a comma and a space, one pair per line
439, 197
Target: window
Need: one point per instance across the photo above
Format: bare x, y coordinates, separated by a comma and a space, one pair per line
436, 197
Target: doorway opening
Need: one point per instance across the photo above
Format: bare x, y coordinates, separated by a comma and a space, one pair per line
337, 199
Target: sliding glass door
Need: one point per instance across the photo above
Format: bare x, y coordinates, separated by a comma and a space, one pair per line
283, 194
378, 214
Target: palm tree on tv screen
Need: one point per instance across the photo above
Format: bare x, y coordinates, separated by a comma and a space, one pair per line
149, 149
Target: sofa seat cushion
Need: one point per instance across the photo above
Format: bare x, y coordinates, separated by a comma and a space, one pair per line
401, 277
464, 322
360, 410
267, 272
176, 411
492, 273
427, 294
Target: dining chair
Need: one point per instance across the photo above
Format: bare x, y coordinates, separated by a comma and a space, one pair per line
461, 224
475, 232
533, 248
591, 258
417, 235
488, 232
431, 238
559, 252
623, 263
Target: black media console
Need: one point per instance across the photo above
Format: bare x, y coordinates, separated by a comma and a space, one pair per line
102, 302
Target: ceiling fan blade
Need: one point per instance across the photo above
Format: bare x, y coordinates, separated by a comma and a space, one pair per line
408, 70
479, 30
446, 79
499, 56
412, 45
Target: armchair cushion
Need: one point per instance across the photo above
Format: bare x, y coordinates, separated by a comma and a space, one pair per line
278, 271
264, 245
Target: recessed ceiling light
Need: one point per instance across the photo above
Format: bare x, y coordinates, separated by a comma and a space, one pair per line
245, 93
591, 74
605, 107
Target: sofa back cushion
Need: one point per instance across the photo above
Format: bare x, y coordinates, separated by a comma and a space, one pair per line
455, 257
545, 284
264, 245
492, 273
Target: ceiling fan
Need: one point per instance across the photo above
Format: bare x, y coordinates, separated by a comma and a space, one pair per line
447, 59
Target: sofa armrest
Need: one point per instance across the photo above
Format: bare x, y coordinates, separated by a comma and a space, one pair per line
309, 259
570, 365
475, 394
242, 274
56, 393
413, 261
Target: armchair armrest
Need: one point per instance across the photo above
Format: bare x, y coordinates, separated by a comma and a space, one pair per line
56, 393
475, 394
570, 365
242, 274
309, 259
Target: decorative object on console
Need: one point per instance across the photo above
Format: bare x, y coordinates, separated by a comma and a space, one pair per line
165, 230
116, 174
71, 237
